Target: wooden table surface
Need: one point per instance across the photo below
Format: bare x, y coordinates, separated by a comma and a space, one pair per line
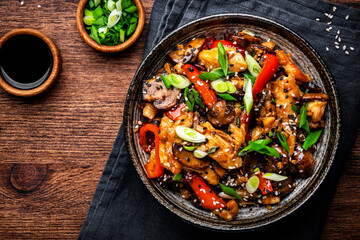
53, 148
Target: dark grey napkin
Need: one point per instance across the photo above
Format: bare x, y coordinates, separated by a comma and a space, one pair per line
122, 208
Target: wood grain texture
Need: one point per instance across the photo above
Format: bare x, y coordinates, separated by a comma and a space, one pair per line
68, 133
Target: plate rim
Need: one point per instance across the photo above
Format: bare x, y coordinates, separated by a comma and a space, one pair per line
289, 210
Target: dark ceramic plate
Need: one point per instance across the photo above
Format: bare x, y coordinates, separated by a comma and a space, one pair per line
308, 61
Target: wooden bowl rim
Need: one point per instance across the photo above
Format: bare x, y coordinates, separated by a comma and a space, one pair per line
54, 72
104, 48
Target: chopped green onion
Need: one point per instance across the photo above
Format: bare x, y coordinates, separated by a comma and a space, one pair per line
125, 4
238, 123
295, 108
189, 148
283, 141
99, 21
248, 97
98, 12
253, 65
189, 134
114, 18
164, 79
177, 177
264, 149
219, 86
111, 5
199, 154
256, 170
270, 134
227, 97
89, 13
95, 34
223, 58
250, 77
189, 100
91, 3
230, 191
274, 177
88, 20
248, 148
131, 9
311, 139
273, 101
249, 33
118, 5
214, 74
131, 29
231, 87
103, 30
252, 184
212, 150
122, 37
178, 81
304, 123
97, 2
198, 98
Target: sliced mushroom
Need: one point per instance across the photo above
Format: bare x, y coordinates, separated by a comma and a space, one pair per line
315, 96
229, 213
189, 53
187, 158
219, 170
283, 188
208, 174
154, 90
221, 114
257, 50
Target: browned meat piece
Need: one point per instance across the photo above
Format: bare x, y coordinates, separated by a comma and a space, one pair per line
187, 158
230, 213
316, 107
290, 68
219, 170
283, 188
189, 53
316, 125
241, 41
149, 111
251, 39
226, 154
178, 69
221, 114
269, 44
304, 162
315, 96
209, 58
154, 90
270, 199
257, 50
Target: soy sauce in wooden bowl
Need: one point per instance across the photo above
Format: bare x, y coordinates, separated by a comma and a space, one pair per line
25, 61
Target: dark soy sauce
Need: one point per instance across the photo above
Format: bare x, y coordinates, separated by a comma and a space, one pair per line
25, 61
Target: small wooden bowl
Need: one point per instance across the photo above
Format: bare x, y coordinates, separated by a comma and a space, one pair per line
56, 68
104, 48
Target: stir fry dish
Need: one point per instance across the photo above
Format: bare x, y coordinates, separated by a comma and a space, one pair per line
230, 122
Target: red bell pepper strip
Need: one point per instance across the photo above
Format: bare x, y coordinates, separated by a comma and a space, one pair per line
174, 114
225, 43
204, 89
208, 42
208, 198
266, 73
265, 184
153, 168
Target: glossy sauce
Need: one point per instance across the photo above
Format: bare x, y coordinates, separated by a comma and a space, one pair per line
25, 61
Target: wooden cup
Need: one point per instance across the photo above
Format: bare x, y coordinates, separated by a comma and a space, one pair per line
104, 48
55, 68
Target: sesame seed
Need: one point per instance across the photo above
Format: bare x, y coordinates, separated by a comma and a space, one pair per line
336, 37
346, 52
334, 9
330, 28
336, 46
22, 3
344, 47
318, 20
329, 23
326, 14
339, 39
336, 43
347, 17
338, 32
327, 49
39, 6
351, 48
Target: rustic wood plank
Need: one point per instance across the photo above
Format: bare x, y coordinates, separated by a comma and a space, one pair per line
70, 132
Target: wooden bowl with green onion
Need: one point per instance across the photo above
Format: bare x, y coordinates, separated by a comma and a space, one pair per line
110, 26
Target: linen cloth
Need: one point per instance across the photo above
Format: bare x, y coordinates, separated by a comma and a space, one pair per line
122, 208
